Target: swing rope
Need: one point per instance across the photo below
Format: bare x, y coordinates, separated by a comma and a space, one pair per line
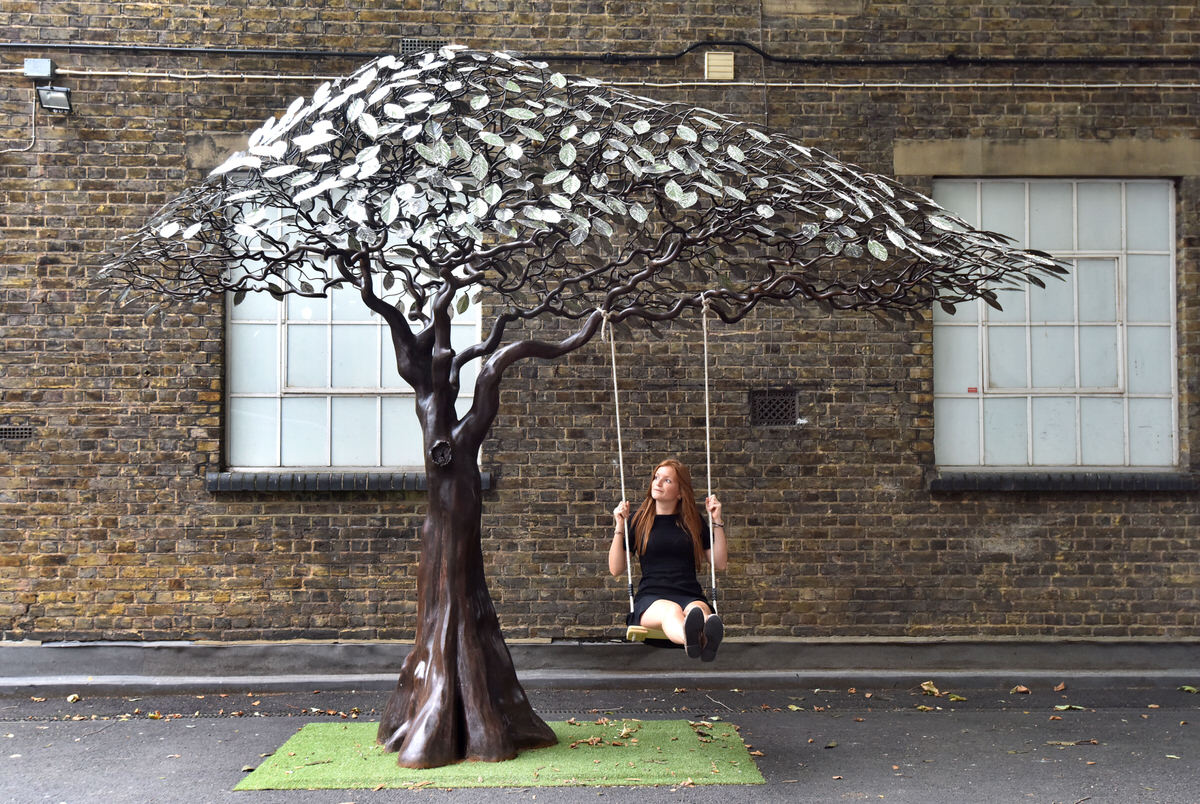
612, 346
712, 564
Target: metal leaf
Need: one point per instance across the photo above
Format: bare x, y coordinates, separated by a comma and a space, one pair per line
239, 161
280, 170
567, 154
479, 167
877, 250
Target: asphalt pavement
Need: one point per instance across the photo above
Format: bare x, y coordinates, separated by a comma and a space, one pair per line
938, 744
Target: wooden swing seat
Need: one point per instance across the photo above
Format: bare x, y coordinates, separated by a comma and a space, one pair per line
639, 633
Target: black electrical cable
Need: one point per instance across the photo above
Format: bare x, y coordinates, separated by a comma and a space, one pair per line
953, 59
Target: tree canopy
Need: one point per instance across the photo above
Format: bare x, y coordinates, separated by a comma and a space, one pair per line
458, 172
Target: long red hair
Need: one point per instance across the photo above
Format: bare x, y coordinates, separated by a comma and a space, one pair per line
685, 512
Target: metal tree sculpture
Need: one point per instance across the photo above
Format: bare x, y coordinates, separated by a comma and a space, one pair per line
421, 182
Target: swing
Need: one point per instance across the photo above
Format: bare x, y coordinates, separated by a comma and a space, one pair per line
640, 633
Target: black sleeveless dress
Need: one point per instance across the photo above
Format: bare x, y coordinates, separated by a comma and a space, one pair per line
668, 567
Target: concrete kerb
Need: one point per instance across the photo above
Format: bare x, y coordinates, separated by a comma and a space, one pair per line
28, 668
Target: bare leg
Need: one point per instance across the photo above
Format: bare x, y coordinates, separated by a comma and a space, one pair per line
669, 616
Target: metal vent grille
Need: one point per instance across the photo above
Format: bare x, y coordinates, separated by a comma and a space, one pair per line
774, 408
10, 432
409, 46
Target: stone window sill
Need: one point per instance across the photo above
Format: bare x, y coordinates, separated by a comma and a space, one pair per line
319, 480
1064, 481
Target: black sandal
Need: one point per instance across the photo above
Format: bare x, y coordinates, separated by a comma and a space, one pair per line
693, 627
714, 631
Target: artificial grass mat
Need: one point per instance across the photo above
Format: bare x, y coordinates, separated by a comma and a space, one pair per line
323, 756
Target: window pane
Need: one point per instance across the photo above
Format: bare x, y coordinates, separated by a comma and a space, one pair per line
956, 432
1053, 355
964, 312
256, 369
1150, 428
1054, 431
1149, 288
1003, 208
254, 306
1097, 281
355, 356
958, 197
402, 441
389, 376
1100, 216
308, 356
463, 336
253, 430
1149, 216
1102, 431
1012, 303
305, 432
1005, 432
355, 431
348, 305
955, 359
1150, 360
1006, 358
1051, 222
302, 308
1098, 357
1055, 302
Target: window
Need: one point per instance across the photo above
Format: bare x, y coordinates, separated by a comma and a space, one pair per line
312, 383
1082, 373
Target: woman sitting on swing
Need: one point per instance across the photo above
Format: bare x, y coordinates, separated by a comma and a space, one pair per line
670, 539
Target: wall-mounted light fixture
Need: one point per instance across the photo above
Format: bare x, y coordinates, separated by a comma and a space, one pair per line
51, 98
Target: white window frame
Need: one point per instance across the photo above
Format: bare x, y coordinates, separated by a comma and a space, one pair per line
988, 328
386, 389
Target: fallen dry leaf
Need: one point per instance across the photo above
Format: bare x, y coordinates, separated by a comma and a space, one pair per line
1062, 686
1020, 689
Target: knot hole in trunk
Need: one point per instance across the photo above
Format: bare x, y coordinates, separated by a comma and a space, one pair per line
441, 453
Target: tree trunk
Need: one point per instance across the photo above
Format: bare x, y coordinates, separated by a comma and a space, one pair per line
458, 696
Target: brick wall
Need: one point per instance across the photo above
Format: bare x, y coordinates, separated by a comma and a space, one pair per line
107, 531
